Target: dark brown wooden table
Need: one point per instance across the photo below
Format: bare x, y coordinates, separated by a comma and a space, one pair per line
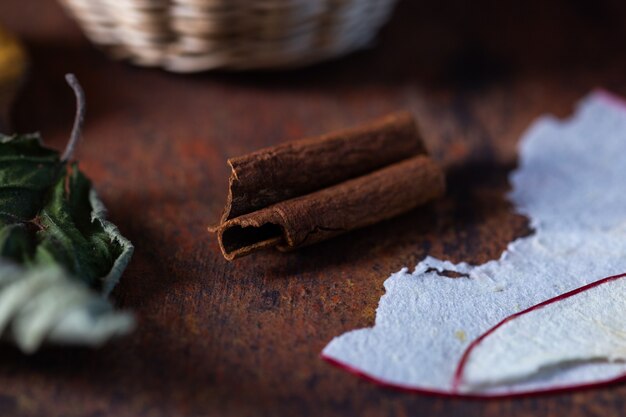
243, 338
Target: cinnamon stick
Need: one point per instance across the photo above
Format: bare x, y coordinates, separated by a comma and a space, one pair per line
303, 192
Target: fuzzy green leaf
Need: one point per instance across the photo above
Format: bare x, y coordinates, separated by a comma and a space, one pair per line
52, 225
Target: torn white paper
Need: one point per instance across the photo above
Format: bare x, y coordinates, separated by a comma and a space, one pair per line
570, 183
587, 326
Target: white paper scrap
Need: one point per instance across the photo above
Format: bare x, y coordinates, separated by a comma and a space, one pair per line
571, 183
583, 327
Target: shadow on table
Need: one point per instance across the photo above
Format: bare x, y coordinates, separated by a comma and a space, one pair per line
443, 45
468, 46
461, 224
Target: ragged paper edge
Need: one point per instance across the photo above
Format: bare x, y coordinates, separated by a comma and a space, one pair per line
509, 323
441, 266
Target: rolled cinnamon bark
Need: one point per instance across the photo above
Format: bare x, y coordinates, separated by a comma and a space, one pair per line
304, 192
296, 168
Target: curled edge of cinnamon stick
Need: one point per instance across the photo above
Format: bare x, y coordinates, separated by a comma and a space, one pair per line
295, 168
383, 171
318, 216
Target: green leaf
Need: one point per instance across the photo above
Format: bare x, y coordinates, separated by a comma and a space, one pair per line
63, 251
27, 171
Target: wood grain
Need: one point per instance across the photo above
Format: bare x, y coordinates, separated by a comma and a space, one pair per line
243, 339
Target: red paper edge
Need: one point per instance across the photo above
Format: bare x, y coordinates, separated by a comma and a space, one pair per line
458, 375
610, 98
615, 101
454, 393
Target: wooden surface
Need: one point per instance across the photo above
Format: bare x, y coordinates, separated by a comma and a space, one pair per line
243, 338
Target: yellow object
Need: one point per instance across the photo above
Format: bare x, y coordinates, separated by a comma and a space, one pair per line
13, 64
460, 334
12, 58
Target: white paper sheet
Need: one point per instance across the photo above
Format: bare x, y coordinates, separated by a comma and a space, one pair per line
588, 326
571, 183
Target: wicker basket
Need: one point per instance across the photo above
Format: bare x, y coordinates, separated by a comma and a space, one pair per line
196, 35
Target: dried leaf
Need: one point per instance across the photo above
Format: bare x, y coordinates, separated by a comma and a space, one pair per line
58, 254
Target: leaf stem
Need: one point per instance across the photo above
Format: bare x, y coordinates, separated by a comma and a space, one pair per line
79, 119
